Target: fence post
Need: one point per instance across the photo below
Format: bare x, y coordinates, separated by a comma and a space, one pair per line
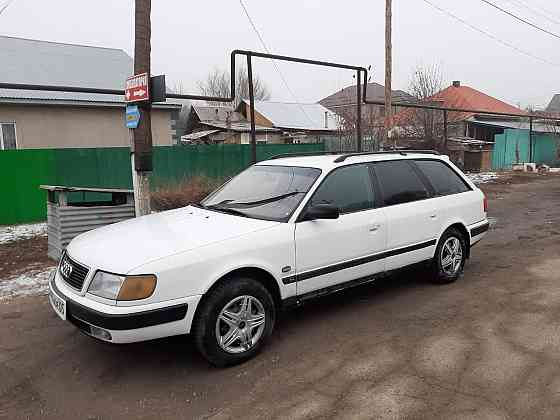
252, 105
530, 139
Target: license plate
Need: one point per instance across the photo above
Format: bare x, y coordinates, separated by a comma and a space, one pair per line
58, 304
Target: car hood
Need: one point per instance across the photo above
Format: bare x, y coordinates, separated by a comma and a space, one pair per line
121, 247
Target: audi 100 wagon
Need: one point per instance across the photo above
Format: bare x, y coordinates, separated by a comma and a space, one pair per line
281, 232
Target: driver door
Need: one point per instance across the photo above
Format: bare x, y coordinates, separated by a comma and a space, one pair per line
331, 252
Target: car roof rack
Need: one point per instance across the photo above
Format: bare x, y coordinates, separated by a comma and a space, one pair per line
385, 152
303, 154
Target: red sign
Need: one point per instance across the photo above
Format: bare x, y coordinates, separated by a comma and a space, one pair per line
136, 89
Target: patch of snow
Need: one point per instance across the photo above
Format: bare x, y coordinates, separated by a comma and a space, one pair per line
19, 232
483, 177
34, 282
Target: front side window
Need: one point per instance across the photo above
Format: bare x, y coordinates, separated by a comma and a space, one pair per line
349, 188
7, 136
264, 192
444, 180
399, 182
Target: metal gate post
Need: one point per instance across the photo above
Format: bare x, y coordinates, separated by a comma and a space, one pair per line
252, 110
530, 139
445, 135
359, 111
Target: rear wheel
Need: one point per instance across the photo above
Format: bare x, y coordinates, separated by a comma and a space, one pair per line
234, 321
450, 257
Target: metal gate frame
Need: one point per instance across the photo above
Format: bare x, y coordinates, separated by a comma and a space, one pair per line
361, 95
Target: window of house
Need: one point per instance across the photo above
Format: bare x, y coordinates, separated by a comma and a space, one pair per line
399, 182
8, 136
444, 180
349, 188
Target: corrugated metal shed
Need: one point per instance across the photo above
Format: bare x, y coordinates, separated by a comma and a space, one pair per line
296, 116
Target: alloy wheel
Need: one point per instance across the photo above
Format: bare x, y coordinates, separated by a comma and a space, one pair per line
451, 256
240, 324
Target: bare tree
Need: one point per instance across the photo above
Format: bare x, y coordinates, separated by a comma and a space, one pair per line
426, 124
218, 83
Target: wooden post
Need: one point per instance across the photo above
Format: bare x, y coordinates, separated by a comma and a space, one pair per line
388, 69
141, 151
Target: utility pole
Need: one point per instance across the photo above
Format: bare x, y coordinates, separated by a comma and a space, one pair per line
141, 147
388, 69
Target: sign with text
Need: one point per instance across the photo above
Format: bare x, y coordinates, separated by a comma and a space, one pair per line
137, 88
132, 116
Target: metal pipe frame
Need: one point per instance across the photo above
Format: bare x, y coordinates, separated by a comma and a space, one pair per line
361, 92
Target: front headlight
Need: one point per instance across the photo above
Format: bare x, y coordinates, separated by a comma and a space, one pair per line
115, 287
106, 285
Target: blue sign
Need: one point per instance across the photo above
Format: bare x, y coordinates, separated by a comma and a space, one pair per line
132, 116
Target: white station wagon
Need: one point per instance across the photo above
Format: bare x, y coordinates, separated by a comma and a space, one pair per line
281, 232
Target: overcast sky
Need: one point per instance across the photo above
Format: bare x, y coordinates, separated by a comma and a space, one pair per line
190, 38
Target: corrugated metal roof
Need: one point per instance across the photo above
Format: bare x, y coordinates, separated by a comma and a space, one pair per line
375, 92
239, 126
519, 125
554, 105
198, 134
296, 116
216, 113
38, 62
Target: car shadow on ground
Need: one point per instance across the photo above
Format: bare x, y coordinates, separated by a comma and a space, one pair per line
180, 351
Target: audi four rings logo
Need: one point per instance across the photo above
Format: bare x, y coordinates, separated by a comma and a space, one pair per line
66, 268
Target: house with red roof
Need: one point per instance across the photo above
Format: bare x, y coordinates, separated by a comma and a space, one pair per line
474, 125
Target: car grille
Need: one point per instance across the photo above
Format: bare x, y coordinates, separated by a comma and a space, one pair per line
75, 276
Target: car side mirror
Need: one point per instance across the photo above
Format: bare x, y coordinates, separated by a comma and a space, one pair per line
322, 211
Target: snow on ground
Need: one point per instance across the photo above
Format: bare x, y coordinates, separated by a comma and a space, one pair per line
34, 282
18, 232
483, 177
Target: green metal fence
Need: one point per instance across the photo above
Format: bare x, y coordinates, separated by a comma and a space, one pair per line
22, 171
513, 147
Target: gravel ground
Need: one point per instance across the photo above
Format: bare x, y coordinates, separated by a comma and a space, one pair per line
484, 347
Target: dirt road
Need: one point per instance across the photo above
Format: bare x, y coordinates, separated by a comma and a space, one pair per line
487, 346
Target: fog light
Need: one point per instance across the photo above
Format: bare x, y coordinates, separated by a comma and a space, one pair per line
100, 333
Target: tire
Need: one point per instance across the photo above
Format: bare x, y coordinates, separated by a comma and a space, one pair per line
442, 272
226, 304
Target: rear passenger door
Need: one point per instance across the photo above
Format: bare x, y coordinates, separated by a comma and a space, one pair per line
412, 225
330, 252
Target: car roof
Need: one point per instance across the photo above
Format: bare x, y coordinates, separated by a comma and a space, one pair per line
327, 162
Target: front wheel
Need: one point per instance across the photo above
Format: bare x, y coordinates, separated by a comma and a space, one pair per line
450, 257
234, 321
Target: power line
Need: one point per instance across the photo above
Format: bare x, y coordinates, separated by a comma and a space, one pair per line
5, 6
273, 61
520, 19
535, 11
489, 35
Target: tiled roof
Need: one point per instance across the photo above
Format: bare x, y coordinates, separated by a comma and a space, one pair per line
463, 97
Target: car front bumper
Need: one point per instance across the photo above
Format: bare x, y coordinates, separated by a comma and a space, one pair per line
128, 324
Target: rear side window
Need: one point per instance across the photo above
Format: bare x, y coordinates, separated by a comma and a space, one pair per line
399, 182
444, 179
349, 188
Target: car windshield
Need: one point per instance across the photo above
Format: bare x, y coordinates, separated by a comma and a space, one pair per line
264, 192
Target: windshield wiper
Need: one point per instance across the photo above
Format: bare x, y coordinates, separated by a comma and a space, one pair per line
234, 204
223, 209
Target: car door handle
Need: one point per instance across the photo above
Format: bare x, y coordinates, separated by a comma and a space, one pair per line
433, 216
374, 228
